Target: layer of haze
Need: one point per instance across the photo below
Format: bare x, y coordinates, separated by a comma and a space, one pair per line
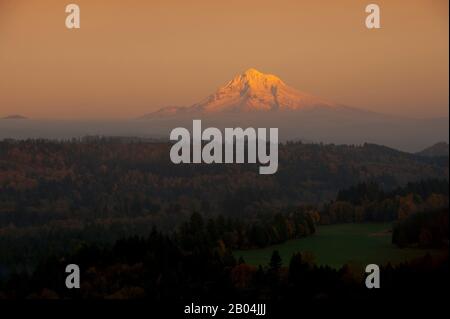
131, 57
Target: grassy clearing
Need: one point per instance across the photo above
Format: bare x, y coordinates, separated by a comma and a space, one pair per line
335, 245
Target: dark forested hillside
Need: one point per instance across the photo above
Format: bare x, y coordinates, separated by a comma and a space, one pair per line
45, 182
424, 229
59, 195
440, 149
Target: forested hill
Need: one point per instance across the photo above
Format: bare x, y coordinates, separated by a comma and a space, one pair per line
57, 195
128, 176
89, 179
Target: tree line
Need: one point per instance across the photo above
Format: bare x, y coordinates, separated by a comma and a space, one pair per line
158, 268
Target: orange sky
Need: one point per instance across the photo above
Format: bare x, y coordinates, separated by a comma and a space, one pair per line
130, 57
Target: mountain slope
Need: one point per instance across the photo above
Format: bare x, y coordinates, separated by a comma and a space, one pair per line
254, 90
250, 91
254, 99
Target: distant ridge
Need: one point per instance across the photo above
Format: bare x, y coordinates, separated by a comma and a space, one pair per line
14, 117
436, 150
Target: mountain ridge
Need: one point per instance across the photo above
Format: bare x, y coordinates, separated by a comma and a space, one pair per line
14, 117
248, 92
440, 149
255, 99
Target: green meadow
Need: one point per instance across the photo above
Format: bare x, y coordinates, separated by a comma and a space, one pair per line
336, 245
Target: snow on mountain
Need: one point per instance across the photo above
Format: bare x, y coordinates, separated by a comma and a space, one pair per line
251, 91
255, 99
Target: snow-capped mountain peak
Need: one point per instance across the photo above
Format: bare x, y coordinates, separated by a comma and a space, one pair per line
252, 91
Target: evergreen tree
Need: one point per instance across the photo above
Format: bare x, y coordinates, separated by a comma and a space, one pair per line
275, 261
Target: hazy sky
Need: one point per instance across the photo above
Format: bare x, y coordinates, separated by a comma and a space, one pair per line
131, 57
